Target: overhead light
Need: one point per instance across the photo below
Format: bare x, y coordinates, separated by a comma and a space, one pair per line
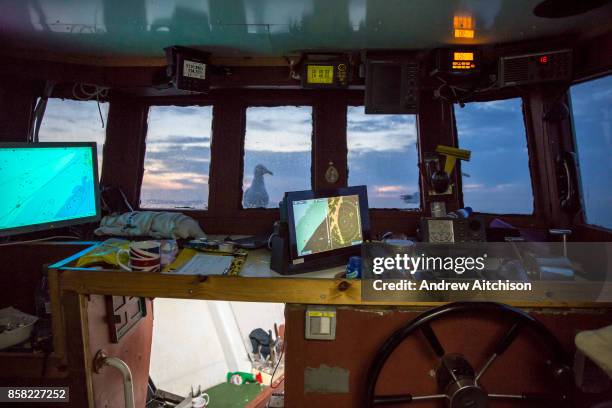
463, 26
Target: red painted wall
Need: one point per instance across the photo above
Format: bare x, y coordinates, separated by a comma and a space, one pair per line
360, 332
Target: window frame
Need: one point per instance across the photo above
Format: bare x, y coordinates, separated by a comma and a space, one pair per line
582, 216
531, 153
225, 212
390, 212
100, 149
268, 104
179, 102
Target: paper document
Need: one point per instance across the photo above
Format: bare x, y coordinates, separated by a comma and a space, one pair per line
204, 264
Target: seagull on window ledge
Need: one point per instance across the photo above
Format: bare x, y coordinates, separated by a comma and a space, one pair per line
256, 196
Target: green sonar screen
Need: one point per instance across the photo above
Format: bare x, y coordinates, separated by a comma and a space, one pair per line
325, 224
44, 186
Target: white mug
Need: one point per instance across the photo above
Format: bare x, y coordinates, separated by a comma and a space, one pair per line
200, 401
143, 256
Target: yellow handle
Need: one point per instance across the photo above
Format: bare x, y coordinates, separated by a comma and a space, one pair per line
449, 164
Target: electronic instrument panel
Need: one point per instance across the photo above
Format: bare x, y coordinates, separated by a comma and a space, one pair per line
447, 230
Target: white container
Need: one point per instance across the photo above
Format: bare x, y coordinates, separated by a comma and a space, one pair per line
20, 326
201, 401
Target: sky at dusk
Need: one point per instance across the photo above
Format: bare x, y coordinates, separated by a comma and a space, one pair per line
74, 121
496, 179
592, 107
382, 151
382, 154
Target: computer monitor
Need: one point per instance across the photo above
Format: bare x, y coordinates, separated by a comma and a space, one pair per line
326, 227
47, 185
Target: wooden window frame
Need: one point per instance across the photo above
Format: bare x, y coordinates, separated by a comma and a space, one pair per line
435, 125
532, 162
584, 229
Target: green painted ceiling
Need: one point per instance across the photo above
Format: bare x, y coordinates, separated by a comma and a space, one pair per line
143, 28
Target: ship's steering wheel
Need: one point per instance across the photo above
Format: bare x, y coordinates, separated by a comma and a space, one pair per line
457, 380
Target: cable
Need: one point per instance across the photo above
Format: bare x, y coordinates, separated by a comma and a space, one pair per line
39, 240
99, 91
276, 367
39, 112
100, 110
125, 200
465, 93
270, 239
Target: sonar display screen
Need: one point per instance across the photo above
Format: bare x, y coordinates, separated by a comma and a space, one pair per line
42, 185
324, 224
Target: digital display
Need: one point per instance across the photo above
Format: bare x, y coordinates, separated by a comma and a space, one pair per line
325, 224
463, 33
463, 61
320, 74
463, 65
463, 56
463, 26
43, 185
543, 59
193, 69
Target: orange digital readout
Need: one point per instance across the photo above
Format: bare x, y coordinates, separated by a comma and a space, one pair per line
463, 26
463, 56
461, 33
463, 65
463, 22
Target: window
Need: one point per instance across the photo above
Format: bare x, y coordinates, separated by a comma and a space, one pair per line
496, 179
277, 154
177, 158
592, 110
382, 154
66, 120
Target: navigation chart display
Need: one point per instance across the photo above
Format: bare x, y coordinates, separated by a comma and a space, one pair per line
43, 185
324, 224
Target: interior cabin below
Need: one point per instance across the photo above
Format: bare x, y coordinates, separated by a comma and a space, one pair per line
306, 203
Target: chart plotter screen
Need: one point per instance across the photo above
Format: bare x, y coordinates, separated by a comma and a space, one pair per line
45, 186
325, 224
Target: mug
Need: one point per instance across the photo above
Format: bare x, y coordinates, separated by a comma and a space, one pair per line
143, 256
200, 401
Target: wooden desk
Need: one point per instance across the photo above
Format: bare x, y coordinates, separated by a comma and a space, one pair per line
257, 283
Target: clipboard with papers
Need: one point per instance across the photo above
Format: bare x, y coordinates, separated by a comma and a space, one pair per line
194, 262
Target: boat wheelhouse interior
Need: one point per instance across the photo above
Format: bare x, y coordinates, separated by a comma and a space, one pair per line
306, 203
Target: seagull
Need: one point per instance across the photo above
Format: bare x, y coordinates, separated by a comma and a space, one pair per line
256, 196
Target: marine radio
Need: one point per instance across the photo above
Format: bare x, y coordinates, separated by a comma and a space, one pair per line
188, 69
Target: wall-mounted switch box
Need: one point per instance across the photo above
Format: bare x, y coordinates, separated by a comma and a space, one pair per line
320, 323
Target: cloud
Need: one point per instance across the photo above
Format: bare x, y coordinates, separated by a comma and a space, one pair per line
173, 181
506, 105
379, 133
283, 129
191, 123
71, 121
203, 140
472, 186
493, 187
388, 190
